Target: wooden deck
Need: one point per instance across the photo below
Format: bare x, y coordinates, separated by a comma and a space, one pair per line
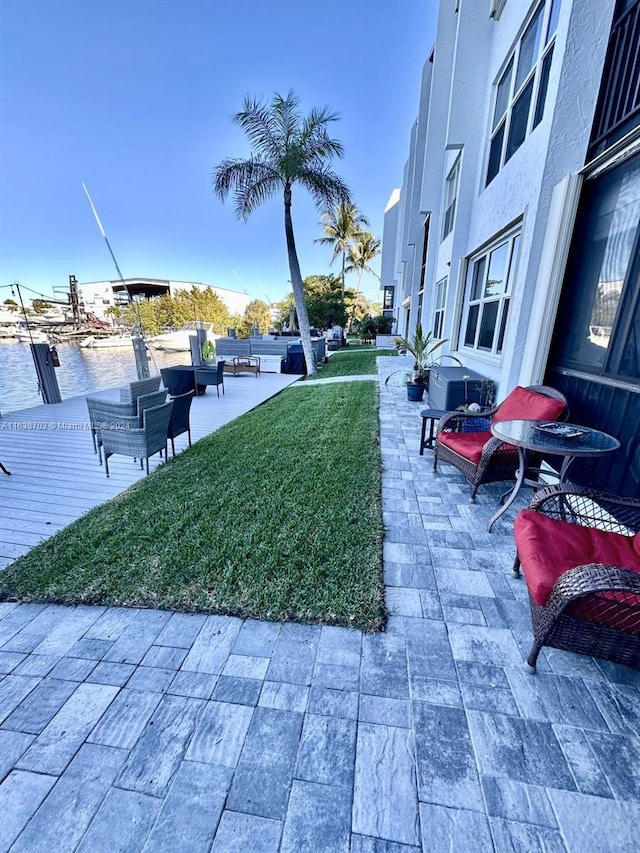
55, 475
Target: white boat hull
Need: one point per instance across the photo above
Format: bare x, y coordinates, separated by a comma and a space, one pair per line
106, 343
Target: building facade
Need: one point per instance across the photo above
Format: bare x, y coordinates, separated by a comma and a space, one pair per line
97, 296
516, 229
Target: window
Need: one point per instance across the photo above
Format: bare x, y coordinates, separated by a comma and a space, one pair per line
439, 303
451, 196
490, 278
387, 299
521, 90
598, 324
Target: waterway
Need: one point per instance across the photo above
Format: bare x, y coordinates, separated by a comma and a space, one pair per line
81, 371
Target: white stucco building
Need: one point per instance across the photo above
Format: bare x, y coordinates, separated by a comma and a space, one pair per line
529, 118
97, 296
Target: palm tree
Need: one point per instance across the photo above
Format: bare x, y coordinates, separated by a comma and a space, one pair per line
362, 251
341, 225
288, 148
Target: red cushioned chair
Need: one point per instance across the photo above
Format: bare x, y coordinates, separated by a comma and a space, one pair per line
463, 439
579, 551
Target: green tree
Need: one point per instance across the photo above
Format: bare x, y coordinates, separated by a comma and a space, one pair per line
324, 300
256, 313
342, 226
288, 148
364, 249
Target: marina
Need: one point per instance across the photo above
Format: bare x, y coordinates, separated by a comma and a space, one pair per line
82, 371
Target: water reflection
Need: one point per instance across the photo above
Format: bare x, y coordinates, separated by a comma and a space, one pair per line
81, 371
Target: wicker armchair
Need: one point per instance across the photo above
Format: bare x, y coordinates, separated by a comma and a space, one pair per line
139, 442
179, 422
130, 393
103, 413
148, 401
464, 439
580, 553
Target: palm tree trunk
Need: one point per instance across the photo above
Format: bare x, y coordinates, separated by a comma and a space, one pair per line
343, 265
296, 284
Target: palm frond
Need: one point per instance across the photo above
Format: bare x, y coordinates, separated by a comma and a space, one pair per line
326, 187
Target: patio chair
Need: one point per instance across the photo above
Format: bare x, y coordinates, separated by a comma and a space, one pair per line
147, 401
130, 393
108, 412
579, 551
179, 422
139, 442
464, 439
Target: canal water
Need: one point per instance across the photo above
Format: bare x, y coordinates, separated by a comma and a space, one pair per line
81, 371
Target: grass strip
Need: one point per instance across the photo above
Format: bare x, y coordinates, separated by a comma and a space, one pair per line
275, 516
352, 363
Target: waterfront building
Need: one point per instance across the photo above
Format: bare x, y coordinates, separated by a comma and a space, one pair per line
97, 296
516, 233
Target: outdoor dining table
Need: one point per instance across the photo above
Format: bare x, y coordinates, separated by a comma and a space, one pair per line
555, 439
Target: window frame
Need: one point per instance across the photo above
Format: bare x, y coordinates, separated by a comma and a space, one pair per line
480, 306
531, 88
440, 289
450, 198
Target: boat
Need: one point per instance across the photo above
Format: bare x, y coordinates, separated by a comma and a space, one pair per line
111, 341
178, 341
32, 336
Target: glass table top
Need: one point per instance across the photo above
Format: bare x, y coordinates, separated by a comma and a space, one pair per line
555, 437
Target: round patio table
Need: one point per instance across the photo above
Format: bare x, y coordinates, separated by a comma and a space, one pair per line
556, 439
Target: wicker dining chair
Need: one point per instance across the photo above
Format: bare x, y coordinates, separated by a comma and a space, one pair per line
130, 393
139, 442
179, 422
103, 413
579, 550
148, 401
464, 439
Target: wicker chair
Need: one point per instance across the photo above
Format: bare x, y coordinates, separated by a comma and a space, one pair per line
130, 393
139, 442
148, 401
105, 412
179, 422
464, 440
579, 550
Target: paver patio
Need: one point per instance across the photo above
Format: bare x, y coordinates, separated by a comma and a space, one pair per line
146, 730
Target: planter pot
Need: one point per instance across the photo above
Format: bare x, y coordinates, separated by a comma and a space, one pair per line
415, 393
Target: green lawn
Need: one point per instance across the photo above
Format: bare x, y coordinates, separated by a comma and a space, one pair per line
352, 362
275, 516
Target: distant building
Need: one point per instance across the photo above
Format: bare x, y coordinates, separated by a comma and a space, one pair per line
517, 231
97, 296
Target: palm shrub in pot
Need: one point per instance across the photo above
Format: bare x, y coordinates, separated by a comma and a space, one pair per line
421, 345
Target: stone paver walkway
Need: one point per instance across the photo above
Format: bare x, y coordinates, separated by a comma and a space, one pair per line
146, 730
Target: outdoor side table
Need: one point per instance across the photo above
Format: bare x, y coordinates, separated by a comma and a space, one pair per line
530, 435
243, 363
432, 416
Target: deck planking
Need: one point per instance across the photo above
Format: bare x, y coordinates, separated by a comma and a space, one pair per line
55, 475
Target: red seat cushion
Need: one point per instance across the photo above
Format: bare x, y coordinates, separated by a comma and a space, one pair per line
528, 405
470, 444
548, 547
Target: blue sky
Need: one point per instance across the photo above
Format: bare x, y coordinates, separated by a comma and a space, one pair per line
135, 98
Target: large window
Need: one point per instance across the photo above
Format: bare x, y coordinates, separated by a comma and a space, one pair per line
439, 303
387, 299
450, 198
490, 276
598, 325
521, 89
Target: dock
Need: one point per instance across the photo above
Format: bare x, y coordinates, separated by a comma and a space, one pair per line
55, 475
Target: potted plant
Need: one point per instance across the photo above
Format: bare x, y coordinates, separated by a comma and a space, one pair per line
422, 347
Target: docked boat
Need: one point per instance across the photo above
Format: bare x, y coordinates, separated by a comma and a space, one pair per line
178, 341
110, 341
32, 336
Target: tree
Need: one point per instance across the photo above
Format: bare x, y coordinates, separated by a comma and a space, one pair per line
256, 313
342, 226
288, 148
325, 300
364, 249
